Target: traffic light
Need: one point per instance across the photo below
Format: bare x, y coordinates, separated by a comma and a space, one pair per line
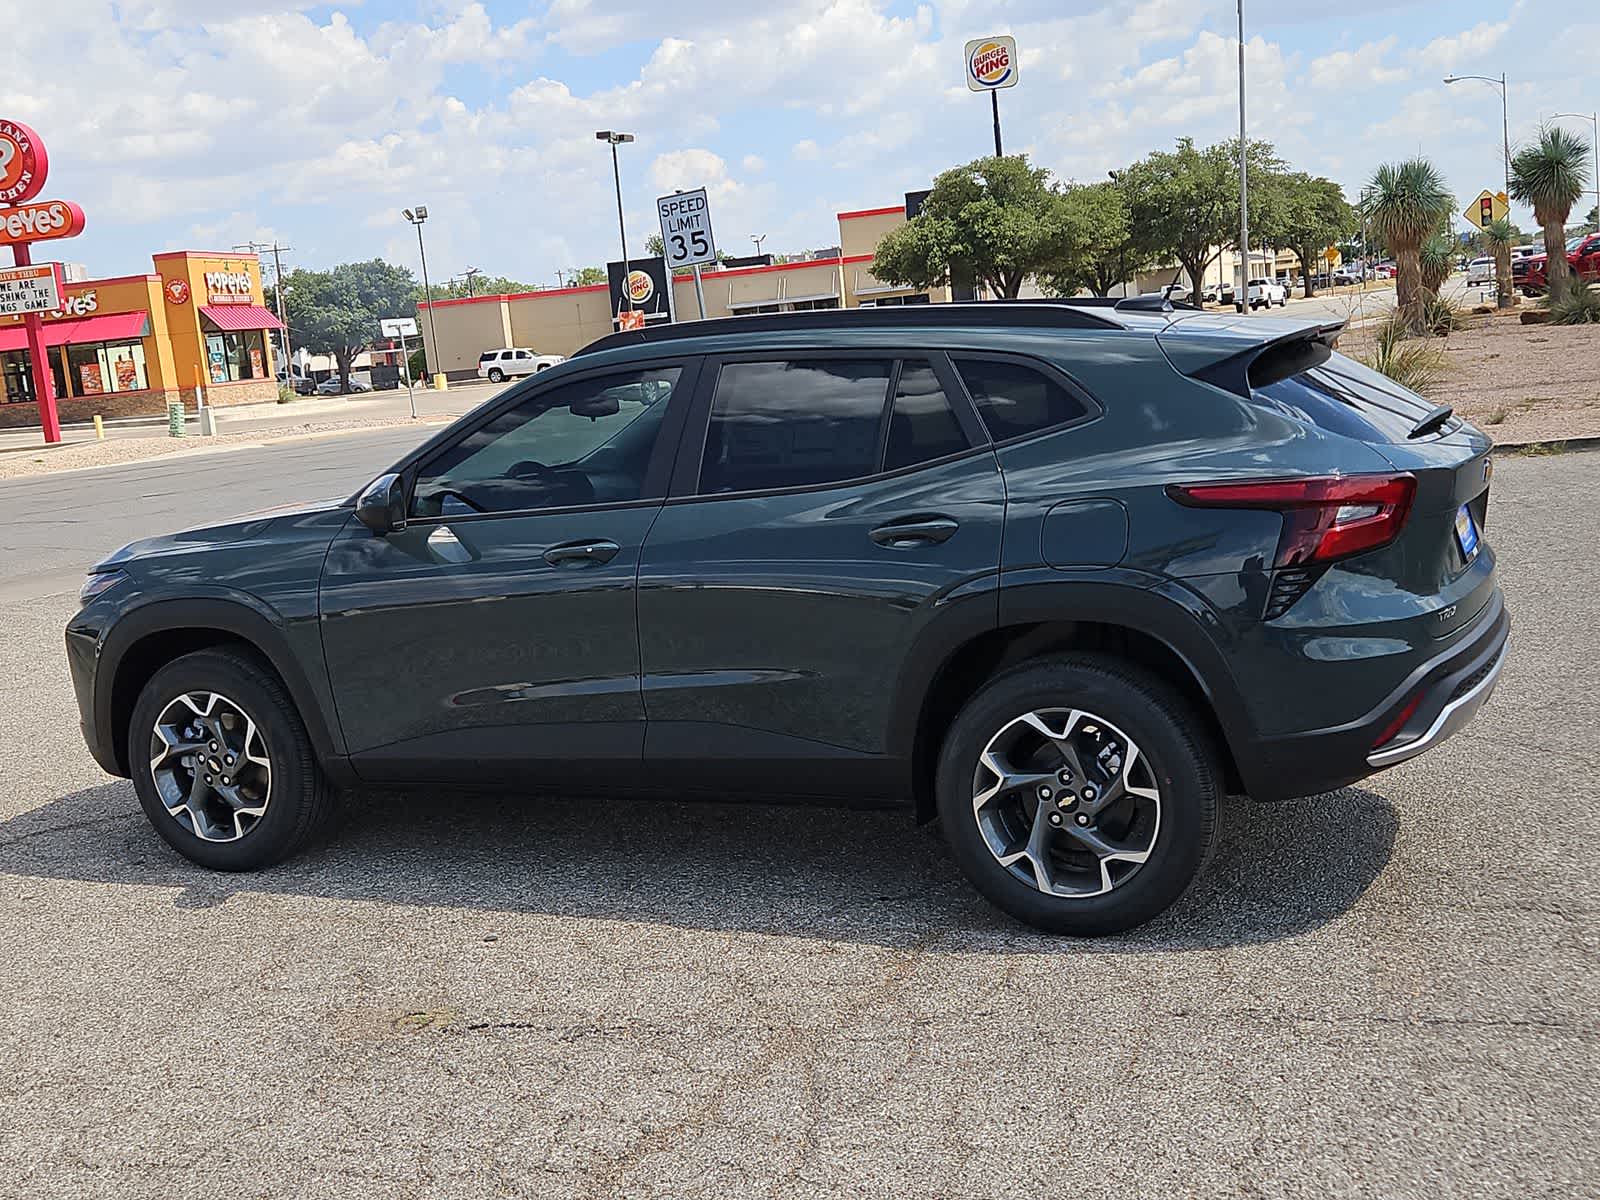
1486, 211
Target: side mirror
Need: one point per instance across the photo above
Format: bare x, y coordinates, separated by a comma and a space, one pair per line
382, 507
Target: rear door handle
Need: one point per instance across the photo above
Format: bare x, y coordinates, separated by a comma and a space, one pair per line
582, 553
917, 531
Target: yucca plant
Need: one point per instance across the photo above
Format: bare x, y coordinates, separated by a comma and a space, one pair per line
1410, 361
1499, 237
1580, 306
1549, 175
1405, 203
1434, 261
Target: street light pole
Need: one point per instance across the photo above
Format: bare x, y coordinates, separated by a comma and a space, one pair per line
1505, 116
417, 218
616, 139
1593, 118
1242, 296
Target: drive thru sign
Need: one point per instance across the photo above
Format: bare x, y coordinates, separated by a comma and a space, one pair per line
30, 289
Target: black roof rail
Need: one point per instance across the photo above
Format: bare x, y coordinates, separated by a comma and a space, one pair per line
1053, 314
1154, 302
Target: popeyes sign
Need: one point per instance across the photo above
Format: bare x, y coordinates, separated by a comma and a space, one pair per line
228, 287
23, 168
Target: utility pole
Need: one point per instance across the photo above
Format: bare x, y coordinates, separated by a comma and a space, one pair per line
758, 238
1242, 297
278, 290
469, 275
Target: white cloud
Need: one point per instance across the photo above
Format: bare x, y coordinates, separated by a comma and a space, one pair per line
1342, 70
1447, 53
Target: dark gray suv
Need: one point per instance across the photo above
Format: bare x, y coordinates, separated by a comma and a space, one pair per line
1058, 575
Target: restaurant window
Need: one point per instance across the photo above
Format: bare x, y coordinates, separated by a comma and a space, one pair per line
231, 357
96, 368
809, 305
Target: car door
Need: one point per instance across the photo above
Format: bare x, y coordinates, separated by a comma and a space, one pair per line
829, 514
495, 635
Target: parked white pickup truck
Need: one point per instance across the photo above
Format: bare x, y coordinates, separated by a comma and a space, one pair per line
1264, 293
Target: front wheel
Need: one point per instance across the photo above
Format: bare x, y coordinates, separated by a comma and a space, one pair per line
1078, 794
222, 763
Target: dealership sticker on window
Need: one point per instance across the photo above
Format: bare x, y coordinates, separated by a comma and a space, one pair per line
34, 289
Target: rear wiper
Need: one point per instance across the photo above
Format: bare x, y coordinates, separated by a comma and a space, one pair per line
1432, 421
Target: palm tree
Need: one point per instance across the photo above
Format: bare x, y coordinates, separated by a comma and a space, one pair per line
1550, 174
1403, 205
1498, 237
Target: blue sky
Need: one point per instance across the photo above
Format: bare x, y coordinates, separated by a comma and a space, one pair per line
205, 123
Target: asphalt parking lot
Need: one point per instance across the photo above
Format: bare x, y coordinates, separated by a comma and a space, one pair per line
1386, 991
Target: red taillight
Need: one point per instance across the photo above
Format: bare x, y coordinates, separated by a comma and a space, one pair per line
1325, 517
1392, 730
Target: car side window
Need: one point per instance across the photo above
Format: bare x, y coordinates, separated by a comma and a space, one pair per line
586, 442
1016, 400
922, 425
794, 423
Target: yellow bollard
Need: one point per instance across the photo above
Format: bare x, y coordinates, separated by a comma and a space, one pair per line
99, 427
440, 383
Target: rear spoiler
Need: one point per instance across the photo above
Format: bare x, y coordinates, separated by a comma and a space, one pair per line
1260, 364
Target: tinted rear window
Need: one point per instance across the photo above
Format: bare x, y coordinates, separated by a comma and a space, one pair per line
1349, 398
794, 424
922, 425
1016, 400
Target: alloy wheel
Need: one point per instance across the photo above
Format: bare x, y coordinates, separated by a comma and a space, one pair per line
210, 766
1066, 802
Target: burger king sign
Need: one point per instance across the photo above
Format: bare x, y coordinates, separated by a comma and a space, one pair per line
991, 63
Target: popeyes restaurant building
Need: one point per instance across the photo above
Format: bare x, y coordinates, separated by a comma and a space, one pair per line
561, 320
196, 329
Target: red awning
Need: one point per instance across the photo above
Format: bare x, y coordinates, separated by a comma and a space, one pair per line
236, 318
117, 327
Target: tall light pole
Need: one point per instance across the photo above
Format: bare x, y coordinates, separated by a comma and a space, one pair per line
1593, 118
1505, 116
1242, 296
417, 217
616, 139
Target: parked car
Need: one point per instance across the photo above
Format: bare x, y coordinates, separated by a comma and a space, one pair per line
301, 385
1346, 276
1217, 293
1480, 272
842, 554
1384, 271
510, 363
1264, 293
1531, 272
331, 386
1523, 251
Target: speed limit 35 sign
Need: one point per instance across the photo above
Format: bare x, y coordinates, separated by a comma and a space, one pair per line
686, 229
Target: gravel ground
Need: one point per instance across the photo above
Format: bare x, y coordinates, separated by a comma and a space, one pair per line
16, 464
1518, 383
1387, 991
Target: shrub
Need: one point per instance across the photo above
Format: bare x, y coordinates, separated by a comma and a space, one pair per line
1580, 306
1412, 362
286, 394
1440, 317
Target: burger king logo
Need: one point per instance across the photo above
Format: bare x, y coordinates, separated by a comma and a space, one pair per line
640, 286
991, 63
177, 291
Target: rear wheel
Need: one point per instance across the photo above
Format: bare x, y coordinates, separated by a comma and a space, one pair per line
496, 375
222, 763
1078, 794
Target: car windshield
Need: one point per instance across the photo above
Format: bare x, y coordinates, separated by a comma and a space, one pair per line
1576, 242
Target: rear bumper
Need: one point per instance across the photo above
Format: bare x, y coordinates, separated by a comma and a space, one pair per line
1448, 690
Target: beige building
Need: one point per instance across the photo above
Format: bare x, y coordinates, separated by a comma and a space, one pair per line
561, 320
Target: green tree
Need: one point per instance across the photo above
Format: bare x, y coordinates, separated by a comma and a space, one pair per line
1435, 261
483, 285
1499, 238
586, 276
1404, 205
1183, 205
994, 220
1100, 253
337, 312
1314, 216
1549, 175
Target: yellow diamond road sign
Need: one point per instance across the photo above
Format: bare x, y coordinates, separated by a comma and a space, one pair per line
1488, 208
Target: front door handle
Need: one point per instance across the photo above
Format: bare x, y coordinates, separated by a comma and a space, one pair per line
582, 553
915, 531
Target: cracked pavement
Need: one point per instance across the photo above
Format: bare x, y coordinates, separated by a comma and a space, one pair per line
1387, 991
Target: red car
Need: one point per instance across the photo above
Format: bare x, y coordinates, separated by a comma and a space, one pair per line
1583, 253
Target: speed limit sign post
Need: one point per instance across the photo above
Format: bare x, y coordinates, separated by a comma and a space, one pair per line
686, 237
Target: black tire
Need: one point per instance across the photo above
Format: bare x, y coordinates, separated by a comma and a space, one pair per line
496, 375
1170, 737
300, 797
